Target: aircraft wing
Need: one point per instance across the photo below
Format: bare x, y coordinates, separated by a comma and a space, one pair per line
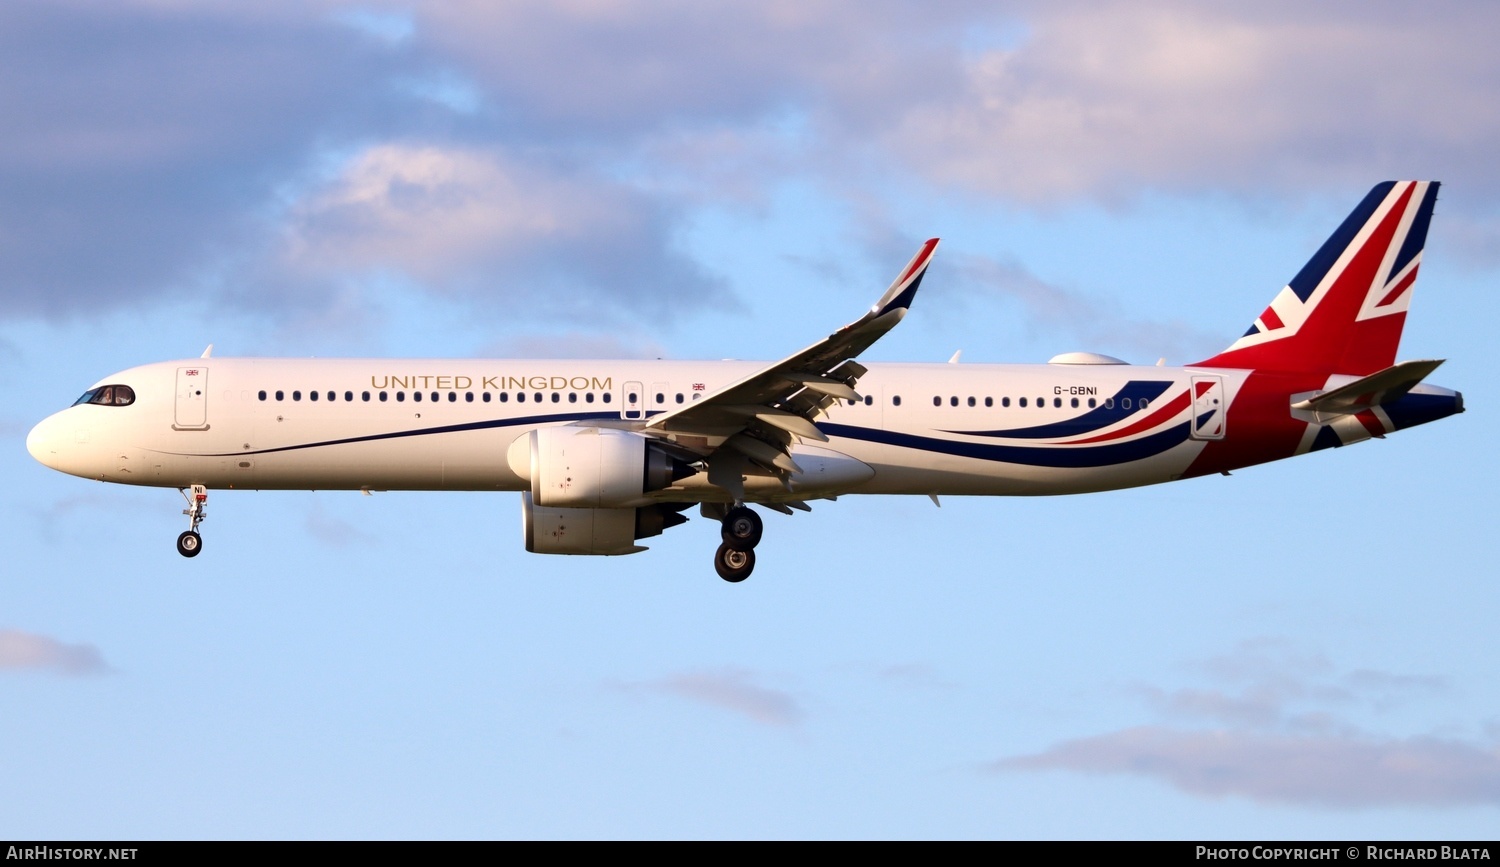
759, 416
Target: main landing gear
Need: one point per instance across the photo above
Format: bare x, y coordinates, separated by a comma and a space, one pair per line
190, 543
741, 531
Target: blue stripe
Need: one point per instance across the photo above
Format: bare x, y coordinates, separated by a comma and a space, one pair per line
1071, 457
1416, 237
1326, 438
1135, 391
1322, 261
1414, 409
903, 301
488, 424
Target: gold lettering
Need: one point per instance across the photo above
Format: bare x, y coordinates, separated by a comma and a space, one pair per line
426, 380
463, 382
580, 383
559, 382
381, 384
445, 382
537, 382
400, 382
489, 383
604, 384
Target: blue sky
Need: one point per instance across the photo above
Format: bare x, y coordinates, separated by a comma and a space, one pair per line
1303, 649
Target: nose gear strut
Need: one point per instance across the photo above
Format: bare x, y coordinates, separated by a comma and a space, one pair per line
190, 543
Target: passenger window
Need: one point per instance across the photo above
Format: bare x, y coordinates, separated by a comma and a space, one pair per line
416, 396
1005, 401
382, 397
262, 395
468, 397
556, 397
520, 397
971, 401
869, 400
1057, 402
434, 397
1091, 403
660, 398
1075, 403
536, 397
607, 397
989, 401
953, 401
332, 396
400, 397
1023, 401
896, 400
486, 397
937, 401
364, 396
1144, 403
679, 397
453, 397
312, 395
1125, 403
588, 397
296, 395
280, 395
1041, 403
505, 396
1109, 403
572, 397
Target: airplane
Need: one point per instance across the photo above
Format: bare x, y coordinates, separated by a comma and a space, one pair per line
607, 453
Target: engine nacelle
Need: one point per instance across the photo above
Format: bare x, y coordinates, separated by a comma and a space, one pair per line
551, 530
591, 467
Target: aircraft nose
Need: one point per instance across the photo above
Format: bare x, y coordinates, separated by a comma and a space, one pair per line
42, 442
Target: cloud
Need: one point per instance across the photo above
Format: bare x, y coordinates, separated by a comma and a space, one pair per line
291, 157
25, 651
1099, 323
1326, 771
523, 235
1104, 100
144, 138
734, 690
1280, 733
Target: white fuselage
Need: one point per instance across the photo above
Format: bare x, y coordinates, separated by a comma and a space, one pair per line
450, 424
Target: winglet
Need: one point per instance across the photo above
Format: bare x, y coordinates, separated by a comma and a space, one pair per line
899, 296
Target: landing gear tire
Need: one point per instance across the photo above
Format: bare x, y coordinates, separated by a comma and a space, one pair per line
732, 564
741, 529
190, 543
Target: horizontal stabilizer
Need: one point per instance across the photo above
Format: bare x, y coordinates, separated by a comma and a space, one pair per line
1386, 386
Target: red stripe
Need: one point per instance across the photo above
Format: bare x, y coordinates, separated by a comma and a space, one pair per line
917, 263
1371, 422
1404, 285
1271, 320
1178, 404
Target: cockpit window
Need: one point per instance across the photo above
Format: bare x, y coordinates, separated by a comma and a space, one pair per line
108, 395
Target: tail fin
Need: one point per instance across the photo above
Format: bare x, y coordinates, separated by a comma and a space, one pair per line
1344, 311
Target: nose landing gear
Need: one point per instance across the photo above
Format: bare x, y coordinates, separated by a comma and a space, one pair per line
741, 532
190, 543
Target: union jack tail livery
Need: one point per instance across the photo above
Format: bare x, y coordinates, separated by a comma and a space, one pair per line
1344, 311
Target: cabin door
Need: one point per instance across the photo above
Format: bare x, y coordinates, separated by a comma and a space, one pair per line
1209, 417
192, 399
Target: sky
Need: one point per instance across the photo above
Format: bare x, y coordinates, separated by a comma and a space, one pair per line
1301, 650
